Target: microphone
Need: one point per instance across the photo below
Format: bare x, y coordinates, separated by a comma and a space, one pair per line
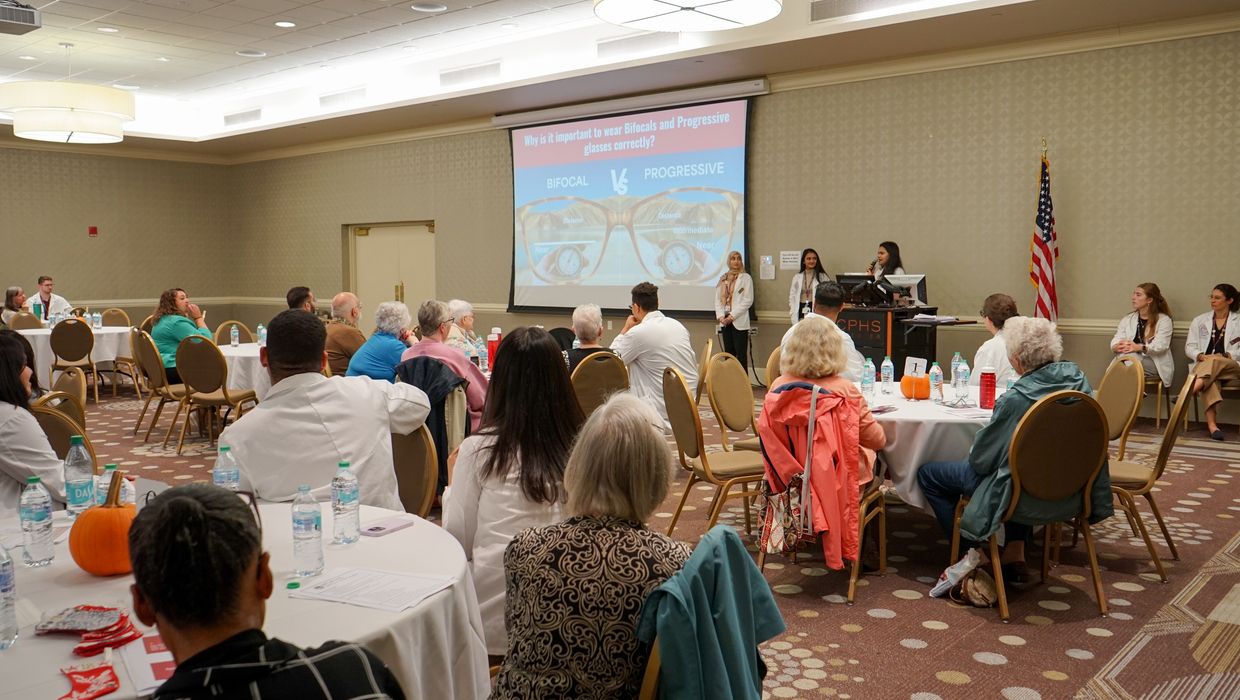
874, 264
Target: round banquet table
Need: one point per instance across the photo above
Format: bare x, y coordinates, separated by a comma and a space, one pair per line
923, 431
435, 649
244, 369
110, 342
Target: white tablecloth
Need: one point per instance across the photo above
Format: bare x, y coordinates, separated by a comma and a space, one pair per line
110, 342
436, 649
244, 369
919, 432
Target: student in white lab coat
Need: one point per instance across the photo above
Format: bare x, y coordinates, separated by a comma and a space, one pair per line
733, 297
801, 293
996, 310
1146, 333
1212, 345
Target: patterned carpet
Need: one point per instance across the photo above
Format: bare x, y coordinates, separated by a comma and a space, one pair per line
1180, 639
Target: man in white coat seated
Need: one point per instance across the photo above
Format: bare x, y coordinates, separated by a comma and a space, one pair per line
308, 423
828, 303
651, 342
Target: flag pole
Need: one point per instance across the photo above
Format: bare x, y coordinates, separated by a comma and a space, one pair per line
1043, 146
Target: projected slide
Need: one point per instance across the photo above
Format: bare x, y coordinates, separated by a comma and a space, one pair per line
603, 204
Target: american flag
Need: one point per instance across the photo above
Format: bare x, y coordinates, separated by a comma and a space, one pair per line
1044, 250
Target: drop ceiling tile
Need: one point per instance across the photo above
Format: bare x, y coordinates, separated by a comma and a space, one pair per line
256, 31
236, 12
357, 25
110, 5
311, 14
68, 9
357, 7
189, 5
271, 6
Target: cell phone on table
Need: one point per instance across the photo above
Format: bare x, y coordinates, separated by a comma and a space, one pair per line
387, 526
886, 408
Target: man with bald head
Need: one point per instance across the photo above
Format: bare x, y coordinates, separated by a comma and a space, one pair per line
343, 337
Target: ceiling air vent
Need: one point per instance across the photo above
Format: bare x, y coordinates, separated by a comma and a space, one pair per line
340, 99
823, 10
472, 74
251, 115
19, 19
638, 44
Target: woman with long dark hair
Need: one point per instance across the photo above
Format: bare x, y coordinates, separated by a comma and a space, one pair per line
801, 293
1212, 347
24, 449
887, 261
510, 476
175, 319
14, 303
1146, 333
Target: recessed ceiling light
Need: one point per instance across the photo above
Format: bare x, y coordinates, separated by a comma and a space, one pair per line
428, 7
509, 26
108, 30
410, 47
122, 86
251, 53
285, 24
163, 59
27, 58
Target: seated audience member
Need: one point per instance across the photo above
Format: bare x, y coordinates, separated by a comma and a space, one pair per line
1034, 349
1212, 344
461, 335
176, 319
49, 303
14, 303
301, 298
651, 342
996, 310
201, 576
309, 423
576, 588
588, 327
379, 355
343, 337
1146, 333
828, 303
816, 353
510, 476
434, 321
24, 449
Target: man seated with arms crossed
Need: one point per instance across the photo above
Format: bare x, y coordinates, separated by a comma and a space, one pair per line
651, 342
308, 423
435, 322
828, 303
301, 298
343, 337
49, 303
201, 577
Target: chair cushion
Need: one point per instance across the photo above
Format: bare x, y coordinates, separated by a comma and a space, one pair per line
750, 445
729, 465
1129, 474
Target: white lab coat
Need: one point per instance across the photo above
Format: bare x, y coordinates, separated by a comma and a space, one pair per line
855, 360
1157, 349
309, 423
25, 451
484, 516
794, 293
880, 272
738, 306
58, 304
1199, 336
648, 348
992, 353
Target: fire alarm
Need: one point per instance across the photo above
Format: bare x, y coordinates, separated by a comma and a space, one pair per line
92, 231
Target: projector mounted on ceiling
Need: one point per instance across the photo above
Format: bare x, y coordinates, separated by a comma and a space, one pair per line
16, 18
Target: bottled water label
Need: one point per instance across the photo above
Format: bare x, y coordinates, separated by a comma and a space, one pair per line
79, 495
8, 601
36, 513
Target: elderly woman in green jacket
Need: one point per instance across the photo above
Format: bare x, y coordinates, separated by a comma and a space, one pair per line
1035, 349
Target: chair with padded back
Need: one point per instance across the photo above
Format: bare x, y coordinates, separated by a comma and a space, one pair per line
78, 311
148, 323
223, 333
417, 469
1132, 479
24, 321
597, 377
59, 428
66, 403
117, 318
204, 372
72, 342
723, 470
564, 337
151, 367
772, 365
72, 381
1120, 396
1162, 394
650, 679
703, 369
1057, 450
731, 399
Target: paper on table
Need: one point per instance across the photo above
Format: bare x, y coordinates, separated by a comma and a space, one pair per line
967, 411
932, 317
149, 663
371, 588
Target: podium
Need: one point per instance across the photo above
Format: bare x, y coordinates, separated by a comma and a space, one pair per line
878, 331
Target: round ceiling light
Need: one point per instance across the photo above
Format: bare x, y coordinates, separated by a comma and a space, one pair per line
108, 30
687, 15
285, 24
429, 7
251, 53
66, 112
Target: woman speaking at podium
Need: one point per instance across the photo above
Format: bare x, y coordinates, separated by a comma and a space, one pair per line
887, 261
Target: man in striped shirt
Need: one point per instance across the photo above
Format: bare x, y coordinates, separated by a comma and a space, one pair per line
201, 577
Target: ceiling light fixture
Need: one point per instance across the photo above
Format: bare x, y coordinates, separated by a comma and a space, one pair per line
122, 86
429, 7
251, 53
66, 112
163, 59
509, 26
108, 30
686, 15
285, 24
27, 58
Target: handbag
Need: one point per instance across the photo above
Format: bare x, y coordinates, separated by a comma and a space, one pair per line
977, 590
787, 517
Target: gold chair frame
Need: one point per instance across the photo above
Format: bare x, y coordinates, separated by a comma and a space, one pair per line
72, 342
731, 400
151, 367
597, 377
417, 470
204, 372
222, 334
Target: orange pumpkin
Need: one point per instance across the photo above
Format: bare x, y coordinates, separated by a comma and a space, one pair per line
915, 387
99, 540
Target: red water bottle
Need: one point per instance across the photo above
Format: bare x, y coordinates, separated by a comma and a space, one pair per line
493, 347
986, 394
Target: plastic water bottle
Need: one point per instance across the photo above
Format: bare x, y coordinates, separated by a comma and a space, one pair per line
36, 518
79, 478
956, 360
483, 359
96, 320
345, 523
234, 336
307, 534
576, 343
936, 383
960, 381
262, 335
227, 472
103, 483
8, 600
889, 375
867, 379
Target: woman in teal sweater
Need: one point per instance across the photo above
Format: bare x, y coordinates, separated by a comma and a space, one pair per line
175, 320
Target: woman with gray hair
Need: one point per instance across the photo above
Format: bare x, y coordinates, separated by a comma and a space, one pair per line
576, 589
14, 303
588, 327
379, 355
461, 335
1035, 350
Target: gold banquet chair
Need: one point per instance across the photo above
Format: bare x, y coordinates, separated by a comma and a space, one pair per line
723, 470
731, 399
223, 333
151, 367
1120, 396
417, 470
772, 365
59, 428
597, 377
67, 404
25, 321
117, 318
72, 381
703, 368
204, 372
1057, 450
72, 343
